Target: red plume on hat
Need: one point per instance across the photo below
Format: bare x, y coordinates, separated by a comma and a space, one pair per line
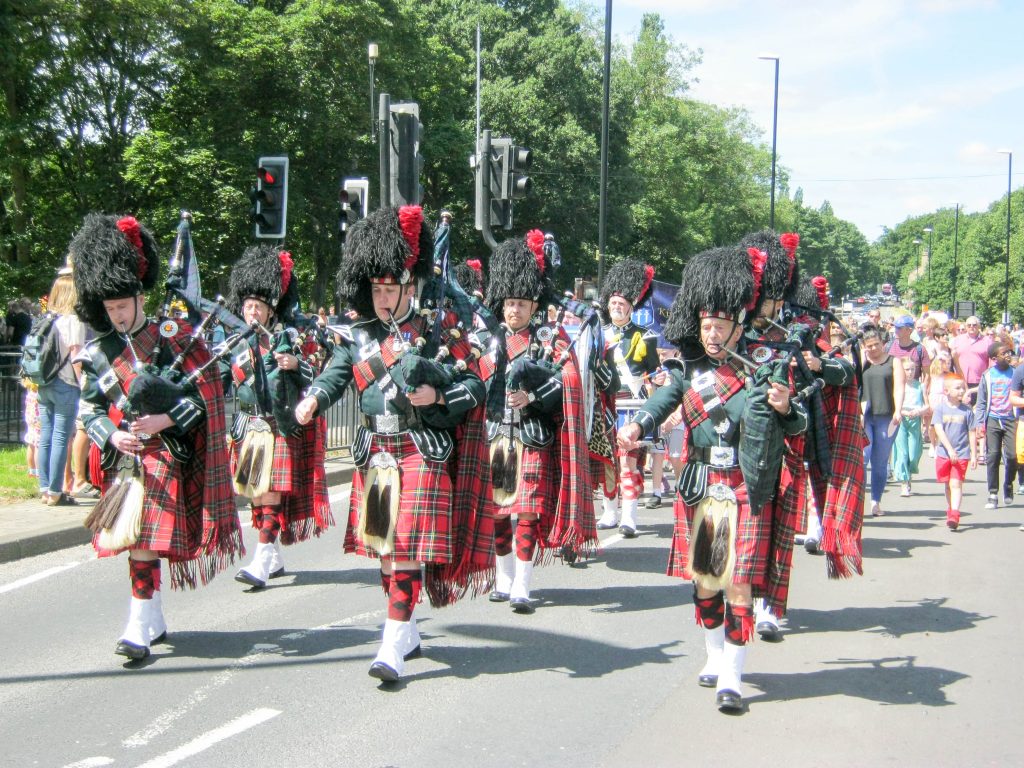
535, 242
757, 262
648, 279
821, 286
129, 225
410, 220
287, 264
476, 265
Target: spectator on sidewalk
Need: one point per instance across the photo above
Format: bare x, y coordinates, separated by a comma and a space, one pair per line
995, 417
904, 346
882, 399
906, 450
941, 366
957, 449
970, 356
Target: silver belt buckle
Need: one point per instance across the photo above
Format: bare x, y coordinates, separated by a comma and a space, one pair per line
722, 456
386, 424
721, 492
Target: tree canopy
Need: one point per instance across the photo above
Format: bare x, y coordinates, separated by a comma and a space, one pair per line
154, 106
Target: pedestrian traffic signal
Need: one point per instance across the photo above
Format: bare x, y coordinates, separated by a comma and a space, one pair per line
354, 195
270, 198
405, 133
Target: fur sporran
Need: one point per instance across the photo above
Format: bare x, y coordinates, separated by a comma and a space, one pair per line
378, 511
117, 516
506, 463
712, 553
255, 459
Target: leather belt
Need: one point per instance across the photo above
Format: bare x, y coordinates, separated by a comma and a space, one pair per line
719, 457
386, 424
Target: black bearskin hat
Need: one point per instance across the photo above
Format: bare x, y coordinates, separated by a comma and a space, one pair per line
391, 245
630, 279
470, 276
520, 269
718, 281
781, 272
265, 273
114, 257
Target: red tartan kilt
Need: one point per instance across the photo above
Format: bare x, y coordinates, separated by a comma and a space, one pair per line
538, 486
423, 533
286, 450
753, 533
168, 528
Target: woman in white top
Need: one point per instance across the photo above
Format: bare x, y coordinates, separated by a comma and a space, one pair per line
58, 400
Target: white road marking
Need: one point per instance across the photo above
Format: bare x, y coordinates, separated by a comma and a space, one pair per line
38, 577
91, 762
208, 739
166, 720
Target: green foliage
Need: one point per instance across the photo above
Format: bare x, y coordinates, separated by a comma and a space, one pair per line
155, 106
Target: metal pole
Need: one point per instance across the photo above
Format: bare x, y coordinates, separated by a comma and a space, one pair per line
956, 246
478, 78
384, 142
775, 126
603, 205
930, 261
373, 121
483, 197
1006, 284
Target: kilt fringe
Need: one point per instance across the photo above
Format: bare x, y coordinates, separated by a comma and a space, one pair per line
843, 557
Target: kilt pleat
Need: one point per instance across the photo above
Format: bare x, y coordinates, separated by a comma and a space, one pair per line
538, 488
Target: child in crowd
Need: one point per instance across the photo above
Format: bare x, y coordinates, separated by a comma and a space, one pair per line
906, 450
954, 427
32, 425
942, 364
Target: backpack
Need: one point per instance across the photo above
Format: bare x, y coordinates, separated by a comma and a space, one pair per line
40, 357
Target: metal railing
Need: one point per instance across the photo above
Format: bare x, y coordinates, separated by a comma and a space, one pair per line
12, 396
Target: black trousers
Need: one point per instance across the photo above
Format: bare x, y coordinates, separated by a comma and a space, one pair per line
1001, 439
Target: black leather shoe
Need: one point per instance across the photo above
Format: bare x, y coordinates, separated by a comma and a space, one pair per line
521, 605
244, 577
131, 650
607, 526
383, 672
627, 532
278, 573
161, 638
768, 631
707, 681
654, 502
415, 653
811, 545
498, 597
729, 701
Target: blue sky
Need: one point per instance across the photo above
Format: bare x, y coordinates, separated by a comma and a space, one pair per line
887, 109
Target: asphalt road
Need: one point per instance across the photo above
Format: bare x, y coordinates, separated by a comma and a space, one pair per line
917, 663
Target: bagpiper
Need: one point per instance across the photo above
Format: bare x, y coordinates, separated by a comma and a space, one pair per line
634, 353
166, 487
538, 454
421, 437
277, 463
722, 535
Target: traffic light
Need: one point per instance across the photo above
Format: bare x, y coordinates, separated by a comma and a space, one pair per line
354, 195
508, 181
405, 132
270, 198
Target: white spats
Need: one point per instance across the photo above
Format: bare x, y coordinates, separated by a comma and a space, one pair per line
390, 661
521, 581
610, 516
504, 572
730, 671
714, 642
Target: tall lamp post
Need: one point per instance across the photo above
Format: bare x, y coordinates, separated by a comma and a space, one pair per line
928, 231
372, 54
1006, 284
920, 268
775, 126
956, 247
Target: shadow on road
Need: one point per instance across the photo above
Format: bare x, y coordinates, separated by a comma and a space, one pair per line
886, 549
924, 616
616, 599
894, 680
508, 650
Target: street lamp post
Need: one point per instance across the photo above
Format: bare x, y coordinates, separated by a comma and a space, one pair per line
1009, 188
929, 231
956, 246
372, 54
775, 126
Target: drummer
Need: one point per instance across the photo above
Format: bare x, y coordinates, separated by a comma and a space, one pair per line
634, 351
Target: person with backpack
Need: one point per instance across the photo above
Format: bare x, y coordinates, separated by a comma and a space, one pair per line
54, 340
